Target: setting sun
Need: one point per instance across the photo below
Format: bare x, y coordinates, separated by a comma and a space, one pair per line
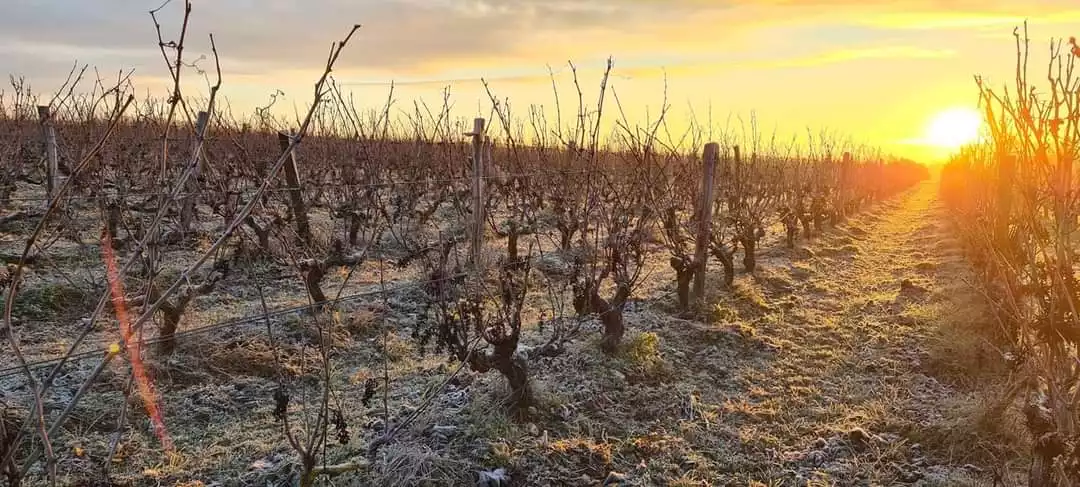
953, 128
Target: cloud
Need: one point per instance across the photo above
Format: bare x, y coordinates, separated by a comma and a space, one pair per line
397, 34
802, 62
438, 38
886, 52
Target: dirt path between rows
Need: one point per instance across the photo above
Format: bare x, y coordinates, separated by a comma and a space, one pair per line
870, 336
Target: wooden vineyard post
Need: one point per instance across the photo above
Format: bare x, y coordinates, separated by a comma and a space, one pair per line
488, 169
879, 180
1065, 217
1006, 173
845, 185
476, 226
701, 254
296, 196
187, 210
733, 171
52, 158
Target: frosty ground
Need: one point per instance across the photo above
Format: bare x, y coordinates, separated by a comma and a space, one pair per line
860, 357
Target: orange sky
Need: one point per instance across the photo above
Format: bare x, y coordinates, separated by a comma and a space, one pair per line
878, 73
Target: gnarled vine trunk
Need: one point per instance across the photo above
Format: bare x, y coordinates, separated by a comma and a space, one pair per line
684, 276
610, 313
749, 244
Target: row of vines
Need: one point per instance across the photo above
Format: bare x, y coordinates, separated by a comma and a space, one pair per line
1014, 200
185, 201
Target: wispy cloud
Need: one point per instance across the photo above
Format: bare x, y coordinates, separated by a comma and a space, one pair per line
906, 55
427, 38
833, 56
886, 52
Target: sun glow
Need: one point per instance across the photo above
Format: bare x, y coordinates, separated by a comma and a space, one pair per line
954, 128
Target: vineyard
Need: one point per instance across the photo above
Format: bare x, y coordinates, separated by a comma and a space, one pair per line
193, 297
1015, 203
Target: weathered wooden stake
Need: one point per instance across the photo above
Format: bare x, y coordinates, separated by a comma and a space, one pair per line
488, 160
701, 254
296, 196
187, 210
1006, 175
476, 232
845, 183
52, 158
1064, 195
